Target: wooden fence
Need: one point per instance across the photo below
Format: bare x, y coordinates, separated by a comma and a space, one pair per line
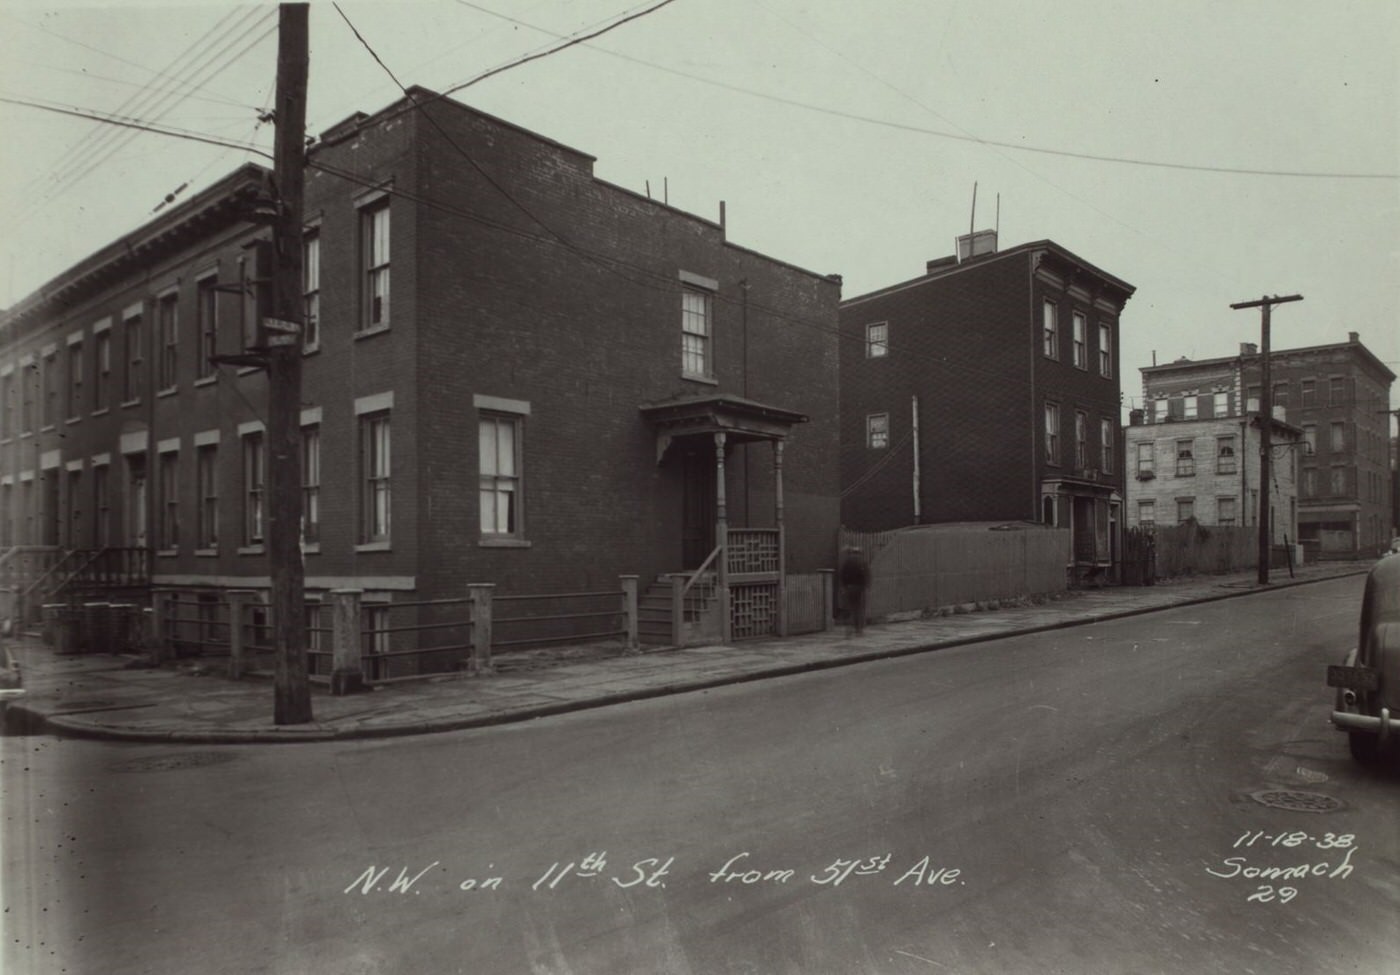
925, 567
1195, 549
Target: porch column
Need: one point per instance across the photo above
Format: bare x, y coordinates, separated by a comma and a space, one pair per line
722, 541
782, 536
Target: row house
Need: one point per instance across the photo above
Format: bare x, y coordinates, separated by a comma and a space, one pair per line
1338, 395
514, 373
987, 389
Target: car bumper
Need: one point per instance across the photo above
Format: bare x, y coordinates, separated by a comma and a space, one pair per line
1383, 724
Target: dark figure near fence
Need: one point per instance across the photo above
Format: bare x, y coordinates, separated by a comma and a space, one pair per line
854, 573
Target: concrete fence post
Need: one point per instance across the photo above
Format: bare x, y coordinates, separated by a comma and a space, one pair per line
161, 626
481, 592
347, 667
629, 609
236, 599
828, 577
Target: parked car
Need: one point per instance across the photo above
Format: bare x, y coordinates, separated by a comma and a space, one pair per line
1368, 683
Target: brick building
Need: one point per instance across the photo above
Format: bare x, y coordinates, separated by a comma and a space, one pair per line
987, 389
1208, 469
1338, 395
566, 381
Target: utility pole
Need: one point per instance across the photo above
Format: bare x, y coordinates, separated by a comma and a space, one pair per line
282, 338
1266, 426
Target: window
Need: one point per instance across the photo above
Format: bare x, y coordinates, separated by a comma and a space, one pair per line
168, 326
1309, 438
135, 507
374, 477
1280, 394
1144, 458
75, 379
877, 430
1220, 404
1225, 511
1105, 349
374, 236
1108, 435
254, 467
695, 333
250, 293
1081, 340
1336, 391
1307, 393
1339, 480
29, 394
169, 527
311, 483
101, 507
1309, 482
1051, 341
877, 340
102, 376
75, 507
207, 475
1052, 433
311, 290
1081, 439
1185, 460
50, 388
1185, 510
1225, 455
133, 379
1147, 514
1190, 407
1338, 440
500, 469
7, 405
1159, 410
207, 316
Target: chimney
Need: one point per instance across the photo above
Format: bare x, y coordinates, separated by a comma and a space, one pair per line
976, 244
1135, 418
1248, 348
1353, 337
938, 263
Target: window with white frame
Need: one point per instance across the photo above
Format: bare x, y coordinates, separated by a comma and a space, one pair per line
1145, 458
1080, 326
1189, 407
1050, 330
1147, 514
877, 340
1220, 404
1106, 349
254, 487
1225, 455
168, 327
1160, 408
374, 477
501, 456
374, 245
1052, 433
1108, 437
168, 530
877, 431
311, 290
206, 313
695, 333
75, 379
1185, 458
311, 483
206, 459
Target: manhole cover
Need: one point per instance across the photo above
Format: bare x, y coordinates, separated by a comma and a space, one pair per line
165, 763
1291, 799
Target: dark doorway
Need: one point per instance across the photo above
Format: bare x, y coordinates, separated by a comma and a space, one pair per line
697, 507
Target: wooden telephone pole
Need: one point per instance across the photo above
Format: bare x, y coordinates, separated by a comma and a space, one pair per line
281, 337
1266, 427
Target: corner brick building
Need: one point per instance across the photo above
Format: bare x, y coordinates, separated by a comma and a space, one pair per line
515, 373
986, 390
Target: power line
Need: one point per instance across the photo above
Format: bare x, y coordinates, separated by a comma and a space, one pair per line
919, 130
134, 124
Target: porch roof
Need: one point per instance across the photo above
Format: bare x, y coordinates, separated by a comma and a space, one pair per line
739, 418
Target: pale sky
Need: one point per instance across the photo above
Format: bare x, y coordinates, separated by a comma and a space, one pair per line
844, 137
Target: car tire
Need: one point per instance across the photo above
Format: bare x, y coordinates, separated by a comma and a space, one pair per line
1365, 747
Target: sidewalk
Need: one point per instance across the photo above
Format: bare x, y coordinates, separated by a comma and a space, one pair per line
116, 697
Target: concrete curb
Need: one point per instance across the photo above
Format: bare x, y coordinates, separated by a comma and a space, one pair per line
35, 720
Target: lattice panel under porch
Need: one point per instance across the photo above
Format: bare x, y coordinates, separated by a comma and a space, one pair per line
753, 551
753, 609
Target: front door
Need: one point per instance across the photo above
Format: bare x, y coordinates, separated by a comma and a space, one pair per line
697, 507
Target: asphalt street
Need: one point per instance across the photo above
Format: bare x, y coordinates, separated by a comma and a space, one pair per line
1161, 793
